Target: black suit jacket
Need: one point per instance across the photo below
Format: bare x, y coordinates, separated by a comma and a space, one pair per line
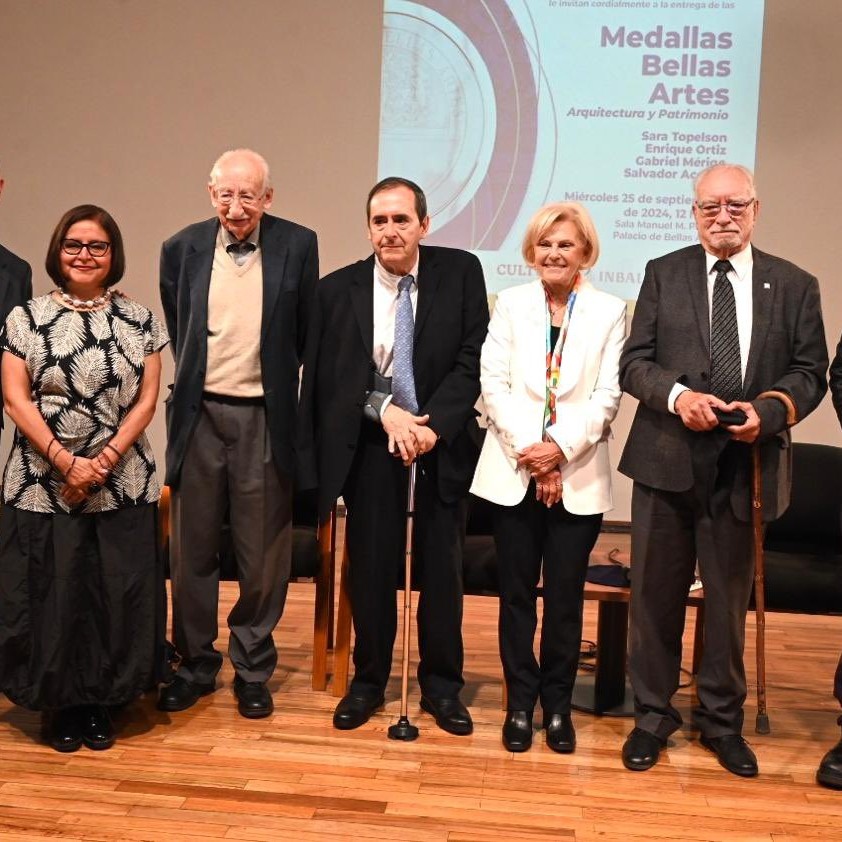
450, 325
669, 343
836, 380
290, 272
15, 288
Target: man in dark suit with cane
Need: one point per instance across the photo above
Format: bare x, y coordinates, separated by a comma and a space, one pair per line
391, 375
716, 325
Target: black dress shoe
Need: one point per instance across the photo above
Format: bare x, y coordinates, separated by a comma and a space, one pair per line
561, 736
181, 694
355, 710
733, 754
641, 750
517, 730
97, 728
64, 731
450, 714
254, 701
830, 769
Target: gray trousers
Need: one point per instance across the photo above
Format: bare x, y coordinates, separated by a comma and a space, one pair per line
228, 469
670, 531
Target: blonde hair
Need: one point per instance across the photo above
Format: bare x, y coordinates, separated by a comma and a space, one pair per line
549, 216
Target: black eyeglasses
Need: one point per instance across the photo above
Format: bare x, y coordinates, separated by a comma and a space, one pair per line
96, 248
734, 208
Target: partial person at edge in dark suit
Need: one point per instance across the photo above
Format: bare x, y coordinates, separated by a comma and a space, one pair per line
829, 773
15, 282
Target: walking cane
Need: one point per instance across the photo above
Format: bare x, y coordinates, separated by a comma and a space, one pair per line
402, 729
761, 725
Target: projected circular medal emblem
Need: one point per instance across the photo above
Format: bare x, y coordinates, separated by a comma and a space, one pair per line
458, 114
437, 109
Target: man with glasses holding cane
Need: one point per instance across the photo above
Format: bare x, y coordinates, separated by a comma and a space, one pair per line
717, 327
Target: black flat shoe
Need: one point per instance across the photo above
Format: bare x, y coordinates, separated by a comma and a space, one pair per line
561, 736
97, 728
830, 769
181, 694
355, 710
64, 731
641, 750
254, 701
733, 754
450, 714
517, 730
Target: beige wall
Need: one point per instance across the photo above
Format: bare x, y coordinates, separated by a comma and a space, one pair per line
126, 103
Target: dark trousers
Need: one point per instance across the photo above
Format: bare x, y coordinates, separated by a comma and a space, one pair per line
228, 468
525, 535
376, 495
837, 683
670, 532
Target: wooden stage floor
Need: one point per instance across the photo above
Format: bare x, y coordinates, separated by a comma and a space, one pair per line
207, 773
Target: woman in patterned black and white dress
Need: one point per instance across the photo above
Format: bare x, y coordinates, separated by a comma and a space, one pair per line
81, 619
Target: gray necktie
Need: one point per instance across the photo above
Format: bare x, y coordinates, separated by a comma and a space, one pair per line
403, 377
726, 381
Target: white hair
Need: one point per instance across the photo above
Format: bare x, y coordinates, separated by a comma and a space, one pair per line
749, 175
231, 154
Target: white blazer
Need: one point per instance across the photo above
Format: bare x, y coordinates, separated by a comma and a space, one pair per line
513, 377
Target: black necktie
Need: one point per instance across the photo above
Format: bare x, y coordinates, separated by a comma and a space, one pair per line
726, 379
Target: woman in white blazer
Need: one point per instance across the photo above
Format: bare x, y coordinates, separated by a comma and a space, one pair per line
550, 386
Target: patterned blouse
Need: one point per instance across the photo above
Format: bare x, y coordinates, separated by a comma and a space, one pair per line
86, 370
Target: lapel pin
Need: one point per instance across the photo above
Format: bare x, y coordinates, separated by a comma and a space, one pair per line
767, 286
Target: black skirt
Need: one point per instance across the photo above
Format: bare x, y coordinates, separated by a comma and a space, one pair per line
82, 607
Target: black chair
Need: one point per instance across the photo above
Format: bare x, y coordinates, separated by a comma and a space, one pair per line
803, 548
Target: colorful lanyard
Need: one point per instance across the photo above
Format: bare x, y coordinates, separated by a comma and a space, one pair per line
554, 353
